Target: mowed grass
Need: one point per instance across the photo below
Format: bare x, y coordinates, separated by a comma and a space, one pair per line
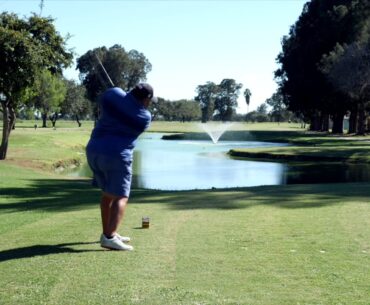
295, 244
301, 244
175, 126
346, 152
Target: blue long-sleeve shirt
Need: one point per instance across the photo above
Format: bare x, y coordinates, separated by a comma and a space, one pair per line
122, 119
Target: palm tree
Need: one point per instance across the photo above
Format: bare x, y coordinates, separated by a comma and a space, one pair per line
247, 95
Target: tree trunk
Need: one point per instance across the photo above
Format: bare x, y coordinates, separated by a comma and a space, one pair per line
325, 123
53, 119
6, 129
8, 123
352, 128
361, 127
12, 117
44, 117
78, 121
320, 122
315, 123
204, 115
338, 123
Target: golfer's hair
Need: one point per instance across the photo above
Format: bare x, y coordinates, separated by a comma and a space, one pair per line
142, 91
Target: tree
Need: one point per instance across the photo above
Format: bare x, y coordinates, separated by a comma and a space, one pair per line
75, 102
187, 110
136, 70
348, 69
50, 92
247, 95
125, 69
160, 110
26, 47
205, 97
260, 115
226, 99
322, 25
181, 110
262, 109
276, 101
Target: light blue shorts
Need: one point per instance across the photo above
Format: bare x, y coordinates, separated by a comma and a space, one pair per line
112, 174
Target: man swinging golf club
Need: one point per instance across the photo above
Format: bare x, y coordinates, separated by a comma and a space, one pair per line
123, 118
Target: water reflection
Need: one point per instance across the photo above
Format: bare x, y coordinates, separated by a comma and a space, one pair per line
326, 173
185, 165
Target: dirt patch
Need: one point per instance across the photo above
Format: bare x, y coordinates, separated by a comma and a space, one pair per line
70, 164
30, 164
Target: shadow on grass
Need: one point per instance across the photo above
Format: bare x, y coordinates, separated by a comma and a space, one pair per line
41, 250
51, 195
64, 195
298, 196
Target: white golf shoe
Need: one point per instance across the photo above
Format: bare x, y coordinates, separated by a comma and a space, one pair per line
124, 239
114, 243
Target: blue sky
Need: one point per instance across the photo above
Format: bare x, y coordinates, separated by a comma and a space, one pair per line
187, 42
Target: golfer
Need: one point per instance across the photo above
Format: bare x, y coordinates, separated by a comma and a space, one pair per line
123, 118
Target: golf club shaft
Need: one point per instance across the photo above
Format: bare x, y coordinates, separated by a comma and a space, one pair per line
105, 71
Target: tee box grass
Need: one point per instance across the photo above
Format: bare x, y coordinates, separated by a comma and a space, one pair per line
292, 244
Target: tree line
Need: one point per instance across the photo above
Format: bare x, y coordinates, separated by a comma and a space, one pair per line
33, 56
324, 72
219, 101
28, 48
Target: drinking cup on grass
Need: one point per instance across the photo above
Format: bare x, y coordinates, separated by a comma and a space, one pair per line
145, 222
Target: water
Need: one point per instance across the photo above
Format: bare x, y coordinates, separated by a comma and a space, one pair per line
181, 165
185, 165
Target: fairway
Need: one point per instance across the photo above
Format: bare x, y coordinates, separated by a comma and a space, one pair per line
295, 244
266, 245
185, 152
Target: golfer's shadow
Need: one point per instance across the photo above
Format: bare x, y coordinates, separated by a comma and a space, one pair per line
40, 250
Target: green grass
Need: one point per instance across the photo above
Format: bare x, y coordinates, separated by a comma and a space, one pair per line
298, 244
163, 126
295, 244
346, 152
46, 148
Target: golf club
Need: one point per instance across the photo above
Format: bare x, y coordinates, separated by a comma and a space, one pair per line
105, 71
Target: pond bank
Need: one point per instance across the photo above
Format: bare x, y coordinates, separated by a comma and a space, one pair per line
299, 153
304, 146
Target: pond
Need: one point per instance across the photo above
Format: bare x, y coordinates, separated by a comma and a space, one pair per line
185, 165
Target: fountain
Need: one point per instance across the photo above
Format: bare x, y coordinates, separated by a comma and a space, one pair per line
215, 129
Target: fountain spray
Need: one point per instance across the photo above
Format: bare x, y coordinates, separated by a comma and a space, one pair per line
215, 129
